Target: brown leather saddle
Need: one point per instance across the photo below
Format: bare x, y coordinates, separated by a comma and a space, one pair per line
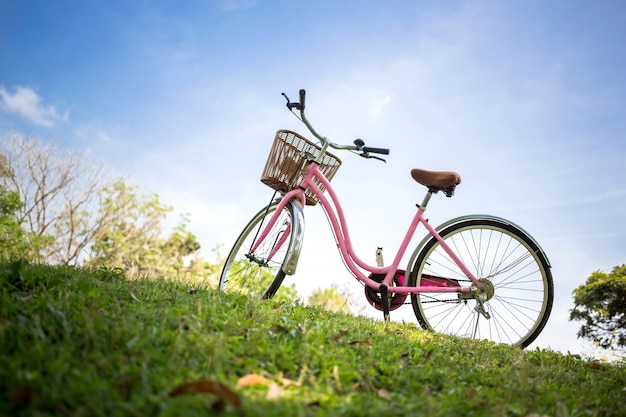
445, 181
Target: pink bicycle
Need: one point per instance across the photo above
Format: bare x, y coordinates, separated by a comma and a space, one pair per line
475, 276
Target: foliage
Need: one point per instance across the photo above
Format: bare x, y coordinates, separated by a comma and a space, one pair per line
80, 342
129, 235
59, 190
15, 242
601, 305
71, 213
13, 239
329, 298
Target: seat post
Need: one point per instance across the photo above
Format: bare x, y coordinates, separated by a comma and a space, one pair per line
426, 199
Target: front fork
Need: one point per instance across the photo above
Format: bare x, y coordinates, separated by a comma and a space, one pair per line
278, 243
280, 240
295, 230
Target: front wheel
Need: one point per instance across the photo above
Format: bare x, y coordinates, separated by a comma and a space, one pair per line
259, 274
516, 283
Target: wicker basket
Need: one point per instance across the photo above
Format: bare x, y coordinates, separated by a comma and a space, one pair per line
286, 164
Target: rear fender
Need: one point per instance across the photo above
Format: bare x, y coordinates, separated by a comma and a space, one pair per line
474, 217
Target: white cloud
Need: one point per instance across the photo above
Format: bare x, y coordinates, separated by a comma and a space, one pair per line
27, 103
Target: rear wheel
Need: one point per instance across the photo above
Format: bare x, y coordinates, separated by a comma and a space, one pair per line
259, 274
516, 284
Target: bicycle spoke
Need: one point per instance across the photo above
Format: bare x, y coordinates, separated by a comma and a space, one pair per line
258, 274
518, 295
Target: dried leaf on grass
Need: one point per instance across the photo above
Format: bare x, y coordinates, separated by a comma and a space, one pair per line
383, 393
595, 366
252, 379
206, 386
360, 343
274, 391
339, 335
290, 383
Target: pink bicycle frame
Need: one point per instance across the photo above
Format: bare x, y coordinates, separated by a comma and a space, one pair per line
340, 230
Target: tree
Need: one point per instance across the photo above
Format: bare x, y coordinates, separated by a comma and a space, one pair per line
129, 229
331, 299
601, 305
13, 238
15, 242
59, 191
72, 212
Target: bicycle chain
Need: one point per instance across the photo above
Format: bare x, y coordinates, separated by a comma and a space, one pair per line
455, 301
435, 301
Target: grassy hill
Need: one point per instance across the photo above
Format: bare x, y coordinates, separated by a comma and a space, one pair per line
75, 342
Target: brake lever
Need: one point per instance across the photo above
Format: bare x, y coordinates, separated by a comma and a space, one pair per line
368, 156
291, 105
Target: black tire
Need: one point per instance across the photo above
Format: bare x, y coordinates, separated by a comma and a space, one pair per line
508, 261
256, 276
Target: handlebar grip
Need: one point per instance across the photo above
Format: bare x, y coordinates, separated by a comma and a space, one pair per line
302, 94
376, 150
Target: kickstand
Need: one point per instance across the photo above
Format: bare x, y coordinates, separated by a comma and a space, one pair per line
385, 301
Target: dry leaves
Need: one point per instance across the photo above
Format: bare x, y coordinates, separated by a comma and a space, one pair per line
339, 335
383, 393
342, 333
251, 380
206, 386
289, 383
597, 366
274, 390
360, 343
227, 396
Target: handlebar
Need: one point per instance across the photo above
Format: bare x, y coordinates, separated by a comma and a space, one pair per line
302, 94
361, 147
359, 144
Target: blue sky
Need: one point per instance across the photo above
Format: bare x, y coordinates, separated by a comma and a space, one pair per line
525, 99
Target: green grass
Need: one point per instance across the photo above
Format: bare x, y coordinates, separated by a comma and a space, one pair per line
94, 343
